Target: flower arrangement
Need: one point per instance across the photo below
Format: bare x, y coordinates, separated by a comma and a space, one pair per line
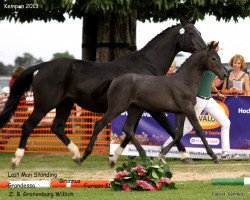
149, 175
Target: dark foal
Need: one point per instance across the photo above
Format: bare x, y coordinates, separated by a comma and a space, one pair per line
176, 93
61, 83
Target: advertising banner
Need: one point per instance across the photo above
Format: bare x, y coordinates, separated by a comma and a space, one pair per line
152, 136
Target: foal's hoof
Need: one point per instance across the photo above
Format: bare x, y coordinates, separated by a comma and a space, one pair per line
77, 161
111, 163
217, 160
163, 160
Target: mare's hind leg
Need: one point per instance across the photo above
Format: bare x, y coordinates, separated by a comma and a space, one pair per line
27, 129
197, 127
58, 127
132, 118
179, 121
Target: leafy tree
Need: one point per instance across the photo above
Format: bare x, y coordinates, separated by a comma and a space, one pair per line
62, 55
109, 26
26, 60
10, 69
3, 69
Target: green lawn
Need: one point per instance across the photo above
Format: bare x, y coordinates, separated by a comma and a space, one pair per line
185, 190
95, 167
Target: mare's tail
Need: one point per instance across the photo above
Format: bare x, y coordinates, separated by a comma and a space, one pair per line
21, 84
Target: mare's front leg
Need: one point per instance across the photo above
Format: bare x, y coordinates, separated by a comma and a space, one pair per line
197, 127
27, 129
133, 118
179, 121
162, 119
58, 127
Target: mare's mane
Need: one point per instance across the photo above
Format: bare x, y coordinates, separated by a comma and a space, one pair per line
151, 42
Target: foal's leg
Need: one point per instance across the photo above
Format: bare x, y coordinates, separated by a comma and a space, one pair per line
131, 122
195, 123
134, 114
27, 129
179, 121
111, 113
58, 127
162, 119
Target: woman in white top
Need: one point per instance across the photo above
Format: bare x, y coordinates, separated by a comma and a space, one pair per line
238, 79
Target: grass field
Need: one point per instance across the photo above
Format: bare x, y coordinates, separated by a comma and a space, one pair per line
192, 181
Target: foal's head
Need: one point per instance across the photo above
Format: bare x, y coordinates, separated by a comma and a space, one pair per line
190, 39
214, 62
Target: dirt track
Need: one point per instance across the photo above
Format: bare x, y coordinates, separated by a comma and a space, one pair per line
184, 172
198, 170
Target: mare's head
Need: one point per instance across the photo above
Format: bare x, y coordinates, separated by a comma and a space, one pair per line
214, 62
189, 38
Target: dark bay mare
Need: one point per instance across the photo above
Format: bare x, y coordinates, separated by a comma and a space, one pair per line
176, 94
61, 83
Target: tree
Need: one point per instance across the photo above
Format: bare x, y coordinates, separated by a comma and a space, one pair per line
26, 60
62, 55
3, 69
109, 26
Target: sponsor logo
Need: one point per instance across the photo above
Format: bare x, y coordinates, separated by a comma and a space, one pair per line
210, 141
208, 122
243, 111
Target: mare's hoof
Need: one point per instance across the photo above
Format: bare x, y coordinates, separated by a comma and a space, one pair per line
187, 160
13, 164
111, 163
77, 161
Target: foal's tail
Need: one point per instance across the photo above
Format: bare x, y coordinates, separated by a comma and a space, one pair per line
21, 84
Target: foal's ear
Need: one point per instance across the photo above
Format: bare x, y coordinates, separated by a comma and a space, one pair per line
213, 45
216, 45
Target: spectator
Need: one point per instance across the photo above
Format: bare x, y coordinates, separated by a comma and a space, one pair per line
172, 68
217, 84
238, 79
16, 72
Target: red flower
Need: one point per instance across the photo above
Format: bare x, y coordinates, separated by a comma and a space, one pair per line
126, 188
138, 168
158, 185
145, 185
141, 174
165, 180
121, 174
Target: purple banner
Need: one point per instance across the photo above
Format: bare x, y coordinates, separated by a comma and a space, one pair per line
152, 136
